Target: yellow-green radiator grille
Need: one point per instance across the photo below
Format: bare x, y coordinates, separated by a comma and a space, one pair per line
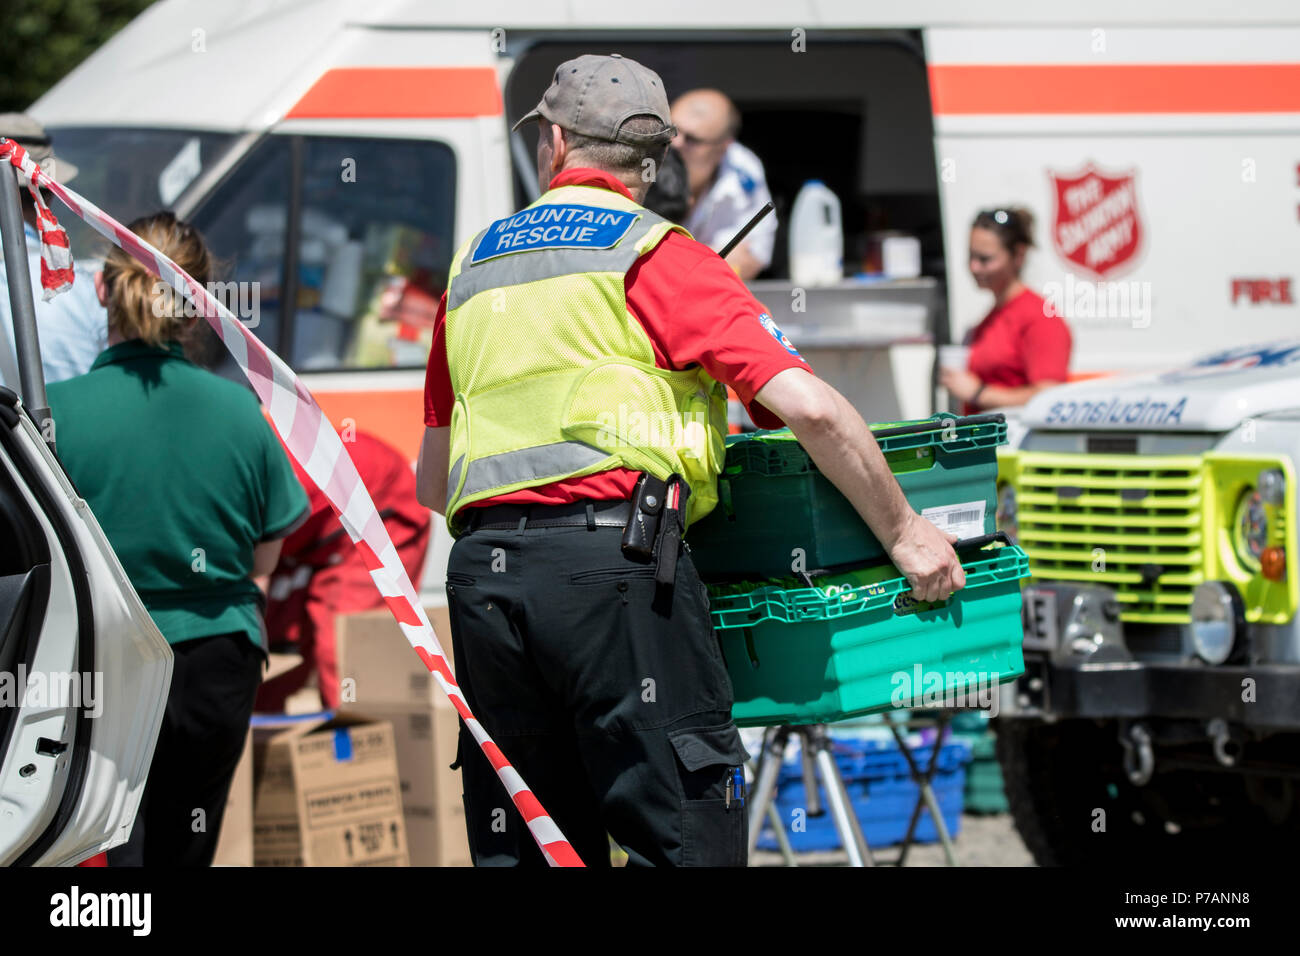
1135, 527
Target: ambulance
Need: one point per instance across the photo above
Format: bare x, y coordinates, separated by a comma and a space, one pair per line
335, 153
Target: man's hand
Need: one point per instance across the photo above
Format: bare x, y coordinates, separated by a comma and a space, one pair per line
925, 556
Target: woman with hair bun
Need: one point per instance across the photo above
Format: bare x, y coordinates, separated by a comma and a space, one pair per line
195, 494
1021, 346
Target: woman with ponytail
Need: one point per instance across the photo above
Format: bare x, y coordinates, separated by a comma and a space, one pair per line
195, 494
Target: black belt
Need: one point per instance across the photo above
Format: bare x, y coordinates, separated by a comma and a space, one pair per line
583, 513
649, 535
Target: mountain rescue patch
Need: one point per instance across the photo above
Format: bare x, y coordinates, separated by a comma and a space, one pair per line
564, 226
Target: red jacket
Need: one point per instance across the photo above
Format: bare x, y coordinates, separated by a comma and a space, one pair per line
321, 541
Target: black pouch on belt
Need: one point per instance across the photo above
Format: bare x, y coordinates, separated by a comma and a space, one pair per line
641, 533
672, 526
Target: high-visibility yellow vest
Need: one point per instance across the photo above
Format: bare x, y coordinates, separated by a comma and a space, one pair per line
553, 377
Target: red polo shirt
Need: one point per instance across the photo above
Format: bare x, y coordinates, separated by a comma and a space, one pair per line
695, 311
1020, 342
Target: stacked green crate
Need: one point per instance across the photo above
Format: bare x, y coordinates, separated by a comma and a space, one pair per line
772, 499
984, 791
851, 645
814, 622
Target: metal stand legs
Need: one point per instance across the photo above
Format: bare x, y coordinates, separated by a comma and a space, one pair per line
819, 768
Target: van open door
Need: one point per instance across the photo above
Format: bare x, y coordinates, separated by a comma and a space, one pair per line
84, 671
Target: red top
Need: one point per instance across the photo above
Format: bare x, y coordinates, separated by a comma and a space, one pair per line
695, 311
386, 472
1020, 343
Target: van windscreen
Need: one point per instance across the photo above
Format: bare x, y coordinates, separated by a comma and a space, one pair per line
131, 172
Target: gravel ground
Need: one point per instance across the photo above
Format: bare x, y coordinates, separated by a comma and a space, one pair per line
983, 841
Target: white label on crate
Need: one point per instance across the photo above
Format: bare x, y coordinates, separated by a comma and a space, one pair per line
965, 520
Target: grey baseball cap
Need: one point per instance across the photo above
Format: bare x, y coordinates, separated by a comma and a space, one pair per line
31, 136
594, 95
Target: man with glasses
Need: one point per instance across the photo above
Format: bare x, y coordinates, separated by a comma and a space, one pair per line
726, 179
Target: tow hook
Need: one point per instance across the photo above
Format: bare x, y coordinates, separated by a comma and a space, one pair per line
1226, 750
1139, 759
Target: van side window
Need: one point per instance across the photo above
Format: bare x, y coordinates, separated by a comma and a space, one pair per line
373, 220
243, 223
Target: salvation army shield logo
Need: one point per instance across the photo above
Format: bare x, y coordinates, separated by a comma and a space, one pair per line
1096, 224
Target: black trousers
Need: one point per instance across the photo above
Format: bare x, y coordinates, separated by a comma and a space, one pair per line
214, 683
608, 695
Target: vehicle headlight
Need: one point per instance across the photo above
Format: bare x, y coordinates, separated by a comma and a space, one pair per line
1007, 516
1250, 529
1215, 619
1272, 486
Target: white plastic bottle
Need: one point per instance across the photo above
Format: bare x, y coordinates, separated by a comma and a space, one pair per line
816, 236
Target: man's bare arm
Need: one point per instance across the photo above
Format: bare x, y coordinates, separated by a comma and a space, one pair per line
431, 468
845, 451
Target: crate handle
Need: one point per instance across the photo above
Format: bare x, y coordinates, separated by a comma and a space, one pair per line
938, 424
981, 540
983, 572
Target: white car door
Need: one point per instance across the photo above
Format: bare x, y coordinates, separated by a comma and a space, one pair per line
84, 671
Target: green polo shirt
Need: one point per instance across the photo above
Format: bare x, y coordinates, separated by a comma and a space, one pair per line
185, 477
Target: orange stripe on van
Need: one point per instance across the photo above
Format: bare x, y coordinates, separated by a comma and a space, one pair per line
1085, 376
395, 416
1153, 88
405, 92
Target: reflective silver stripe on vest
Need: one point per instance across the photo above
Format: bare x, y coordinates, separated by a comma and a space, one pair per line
454, 477
528, 464
520, 267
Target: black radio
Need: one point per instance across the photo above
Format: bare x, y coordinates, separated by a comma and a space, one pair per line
658, 519
641, 533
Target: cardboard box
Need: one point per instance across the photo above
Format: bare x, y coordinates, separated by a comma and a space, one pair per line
327, 793
425, 738
392, 684
377, 658
235, 841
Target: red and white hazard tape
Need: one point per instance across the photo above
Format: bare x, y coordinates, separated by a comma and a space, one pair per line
56, 257
312, 440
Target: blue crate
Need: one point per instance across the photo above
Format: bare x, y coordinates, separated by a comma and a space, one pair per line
881, 793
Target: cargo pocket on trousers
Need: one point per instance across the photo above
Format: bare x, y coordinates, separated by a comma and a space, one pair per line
714, 829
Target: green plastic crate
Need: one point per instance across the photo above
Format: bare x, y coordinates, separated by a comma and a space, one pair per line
772, 499
817, 654
972, 725
984, 790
